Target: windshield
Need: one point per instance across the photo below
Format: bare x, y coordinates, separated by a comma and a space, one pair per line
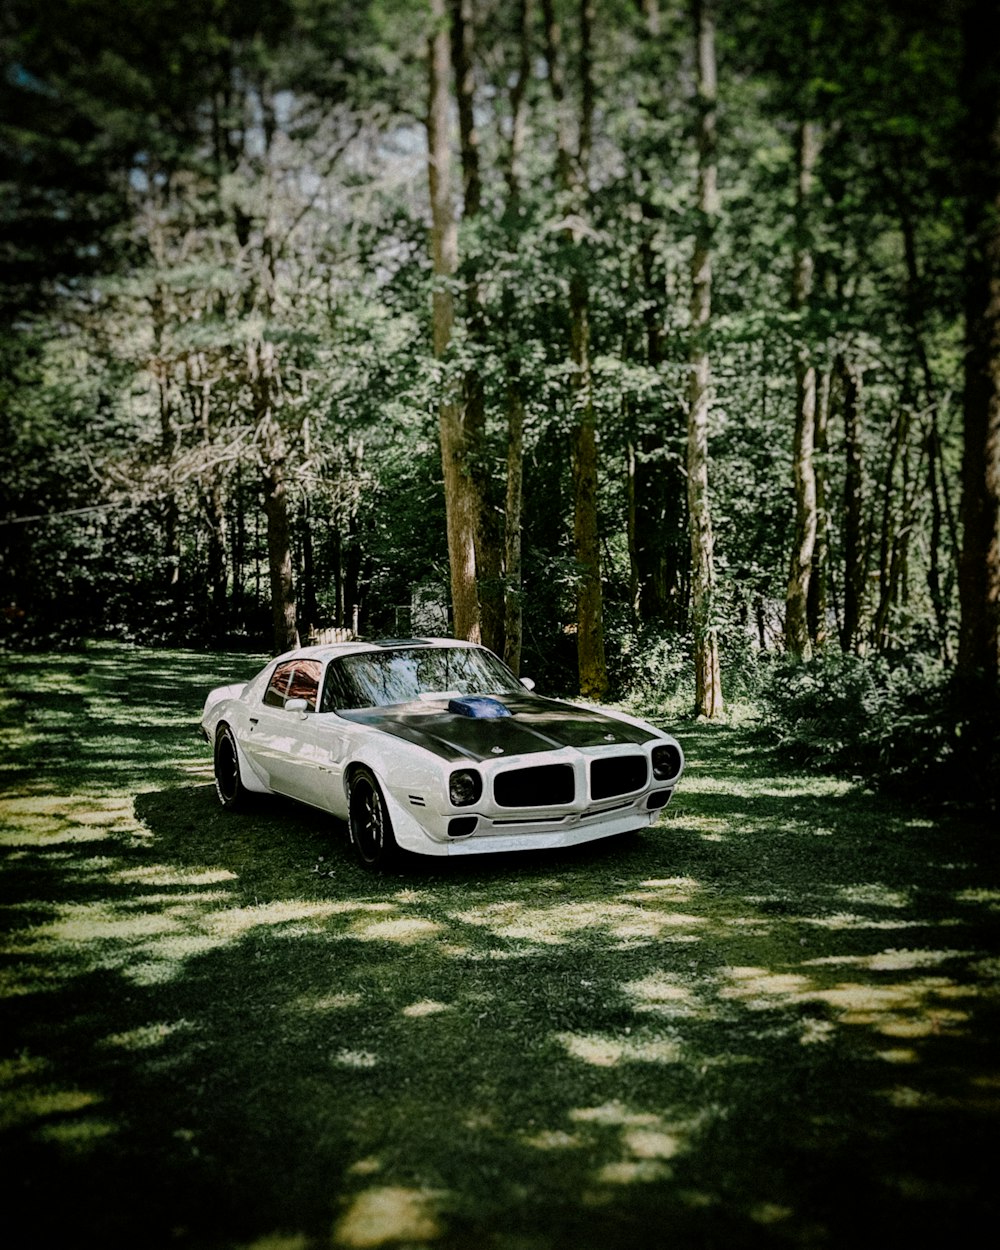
404, 674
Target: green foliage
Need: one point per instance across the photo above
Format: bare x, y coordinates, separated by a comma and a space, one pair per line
903, 724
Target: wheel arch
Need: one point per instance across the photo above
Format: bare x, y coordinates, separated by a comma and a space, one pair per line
248, 774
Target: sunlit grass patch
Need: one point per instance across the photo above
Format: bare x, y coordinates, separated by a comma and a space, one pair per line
426, 1007
404, 930
77, 1135
759, 987
28, 1104
601, 1051
148, 1036
389, 1215
664, 994
555, 1139
164, 875
874, 895
889, 960
355, 1059
558, 923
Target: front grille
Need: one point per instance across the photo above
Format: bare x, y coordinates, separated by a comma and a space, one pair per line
620, 774
549, 785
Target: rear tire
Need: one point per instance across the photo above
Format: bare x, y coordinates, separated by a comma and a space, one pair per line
228, 782
371, 829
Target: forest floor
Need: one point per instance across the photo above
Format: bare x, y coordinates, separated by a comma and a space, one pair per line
773, 1019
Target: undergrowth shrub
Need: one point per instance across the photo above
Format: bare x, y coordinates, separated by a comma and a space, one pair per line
905, 725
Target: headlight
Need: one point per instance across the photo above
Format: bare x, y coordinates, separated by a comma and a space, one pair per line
666, 762
464, 787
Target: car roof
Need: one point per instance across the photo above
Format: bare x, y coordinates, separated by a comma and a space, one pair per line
327, 651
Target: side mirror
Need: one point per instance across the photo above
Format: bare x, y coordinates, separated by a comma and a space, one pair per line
528, 683
297, 705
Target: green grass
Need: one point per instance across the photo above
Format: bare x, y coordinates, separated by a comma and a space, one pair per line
772, 1019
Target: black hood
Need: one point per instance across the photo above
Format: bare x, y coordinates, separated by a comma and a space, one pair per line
534, 724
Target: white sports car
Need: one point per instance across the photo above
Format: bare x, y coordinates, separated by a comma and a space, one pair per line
434, 746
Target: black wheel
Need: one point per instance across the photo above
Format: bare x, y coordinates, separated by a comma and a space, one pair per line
228, 782
371, 829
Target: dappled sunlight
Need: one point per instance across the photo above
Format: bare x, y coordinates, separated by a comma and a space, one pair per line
980, 897
426, 1007
674, 1037
162, 874
77, 1135
874, 894
355, 1059
326, 1002
911, 1009
148, 1036
846, 920
390, 1214
404, 930
603, 1051
26, 1105
758, 988
888, 960
556, 924
665, 994
622, 1146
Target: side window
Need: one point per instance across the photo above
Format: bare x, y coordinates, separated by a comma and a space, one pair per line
335, 691
305, 682
277, 687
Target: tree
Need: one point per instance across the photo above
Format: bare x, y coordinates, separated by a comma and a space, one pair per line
797, 637
708, 682
574, 171
462, 502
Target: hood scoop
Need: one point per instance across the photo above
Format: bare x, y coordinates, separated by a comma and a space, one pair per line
478, 708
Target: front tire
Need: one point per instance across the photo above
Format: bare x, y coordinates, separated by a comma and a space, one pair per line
228, 782
371, 829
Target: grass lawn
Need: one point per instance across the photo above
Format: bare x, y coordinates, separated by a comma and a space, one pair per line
772, 1019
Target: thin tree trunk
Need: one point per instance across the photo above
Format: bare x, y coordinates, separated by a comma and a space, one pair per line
797, 639
818, 577
514, 497
894, 525
708, 680
461, 511
854, 553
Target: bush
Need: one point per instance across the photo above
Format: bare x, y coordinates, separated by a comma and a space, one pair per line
908, 726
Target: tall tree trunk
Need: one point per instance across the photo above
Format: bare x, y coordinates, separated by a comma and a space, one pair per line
979, 567
818, 576
573, 172
488, 536
461, 510
942, 551
708, 680
853, 542
169, 438
279, 554
797, 639
512, 533
894, 530
514, 497
260, 369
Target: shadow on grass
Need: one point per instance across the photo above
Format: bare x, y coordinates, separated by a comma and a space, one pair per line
770, 1020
